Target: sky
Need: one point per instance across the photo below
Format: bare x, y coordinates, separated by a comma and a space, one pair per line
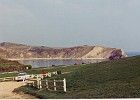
68, 23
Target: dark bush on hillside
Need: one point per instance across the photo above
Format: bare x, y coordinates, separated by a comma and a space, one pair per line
29, 66
53, 65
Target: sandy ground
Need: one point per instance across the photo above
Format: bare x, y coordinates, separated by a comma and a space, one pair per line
6, 89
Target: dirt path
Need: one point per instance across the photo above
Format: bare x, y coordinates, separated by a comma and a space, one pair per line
6, 89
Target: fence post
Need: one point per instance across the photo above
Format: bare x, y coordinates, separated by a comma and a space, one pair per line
47, 84
64, 83
24, 83
33, 83
37, 83
40, 84
13, 78
49, 74
32, 76
42, 76
54, 85
3, 79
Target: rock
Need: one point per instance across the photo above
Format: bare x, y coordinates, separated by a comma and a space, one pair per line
117, 54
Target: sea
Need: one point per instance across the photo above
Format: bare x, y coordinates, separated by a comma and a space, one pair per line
58, 62
63, 62
131, 54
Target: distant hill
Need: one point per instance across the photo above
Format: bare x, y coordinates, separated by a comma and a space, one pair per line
12, 50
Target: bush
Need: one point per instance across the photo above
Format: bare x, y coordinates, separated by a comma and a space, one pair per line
29, 66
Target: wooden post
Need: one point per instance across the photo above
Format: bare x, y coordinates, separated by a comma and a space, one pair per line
47, 85
40, 86
46, 74
32, 76
24, 83
13, 78
64, 85
54, 85
33, 83
49, 75
42, 76
37, 83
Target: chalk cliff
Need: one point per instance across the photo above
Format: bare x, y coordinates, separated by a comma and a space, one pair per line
12, 50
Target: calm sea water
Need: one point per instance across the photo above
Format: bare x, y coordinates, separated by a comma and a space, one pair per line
130, 54
46, 63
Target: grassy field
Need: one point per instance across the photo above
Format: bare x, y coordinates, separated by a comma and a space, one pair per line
110, 79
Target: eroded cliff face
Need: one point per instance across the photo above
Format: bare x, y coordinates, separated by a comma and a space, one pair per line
11, 50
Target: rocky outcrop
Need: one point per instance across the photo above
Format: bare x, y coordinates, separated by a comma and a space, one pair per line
116, 54
11, 50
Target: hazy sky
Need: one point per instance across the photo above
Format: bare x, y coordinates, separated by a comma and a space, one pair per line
66, 23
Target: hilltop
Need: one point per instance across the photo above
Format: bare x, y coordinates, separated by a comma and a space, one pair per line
12, 50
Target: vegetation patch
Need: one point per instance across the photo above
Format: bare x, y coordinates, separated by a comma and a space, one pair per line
7, 65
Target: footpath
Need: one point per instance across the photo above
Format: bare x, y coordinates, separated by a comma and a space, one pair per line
6, 89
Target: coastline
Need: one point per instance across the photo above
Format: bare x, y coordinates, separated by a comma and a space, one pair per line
17, 59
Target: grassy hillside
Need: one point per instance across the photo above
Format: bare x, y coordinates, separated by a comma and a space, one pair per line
7, 65
111, 79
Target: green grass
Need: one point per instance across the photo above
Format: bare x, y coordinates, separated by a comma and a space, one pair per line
110, 79
8, 75
52, 69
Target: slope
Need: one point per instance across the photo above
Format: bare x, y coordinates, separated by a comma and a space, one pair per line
111, 79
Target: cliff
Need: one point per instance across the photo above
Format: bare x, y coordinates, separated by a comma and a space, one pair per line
12, 50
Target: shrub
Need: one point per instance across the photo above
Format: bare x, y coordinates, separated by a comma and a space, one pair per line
29, 66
